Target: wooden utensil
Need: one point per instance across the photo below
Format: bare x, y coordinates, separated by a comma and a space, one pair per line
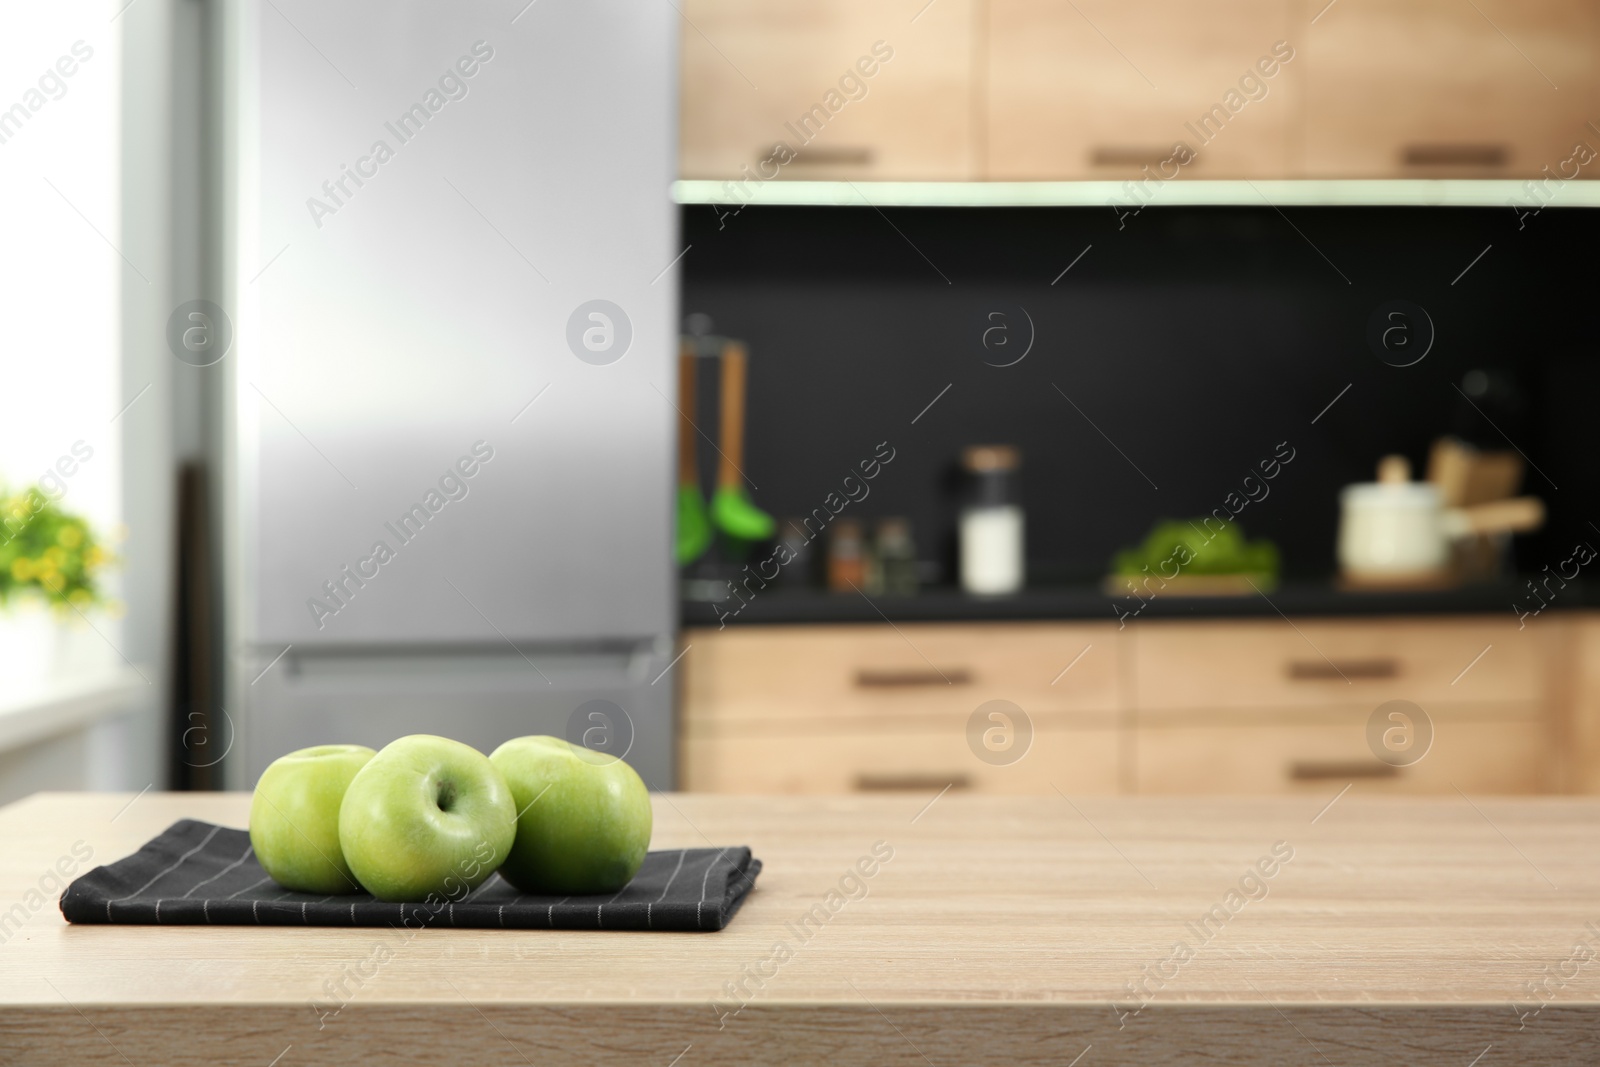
1467, 476
734, 368
731, 509
694, 526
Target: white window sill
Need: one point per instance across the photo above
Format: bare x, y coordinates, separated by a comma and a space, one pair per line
32, 713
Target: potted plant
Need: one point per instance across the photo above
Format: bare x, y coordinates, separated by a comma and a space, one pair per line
50, 566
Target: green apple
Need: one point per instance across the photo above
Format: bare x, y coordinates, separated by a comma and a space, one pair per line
425, 816
294, 818
584, 819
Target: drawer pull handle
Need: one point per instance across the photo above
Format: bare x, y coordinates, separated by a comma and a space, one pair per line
827, 157
1315, 771
1317, 670
871, 679
910, 783
1455, 155
1128, 156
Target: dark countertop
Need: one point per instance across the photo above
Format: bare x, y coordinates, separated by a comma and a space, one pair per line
1295, 598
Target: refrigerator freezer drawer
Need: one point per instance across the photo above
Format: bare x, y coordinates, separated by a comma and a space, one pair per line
603, 698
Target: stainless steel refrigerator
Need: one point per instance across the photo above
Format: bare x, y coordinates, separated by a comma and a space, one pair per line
455, 279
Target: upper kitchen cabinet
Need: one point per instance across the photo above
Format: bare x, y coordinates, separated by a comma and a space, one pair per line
869, 89
1100, 89
1447, 89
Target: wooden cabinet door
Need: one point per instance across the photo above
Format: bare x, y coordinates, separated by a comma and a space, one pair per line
847, 674
1221, 665
1318, 751
1441, 88
760, 72
920, 757
1098, 89
869, 707
1265, 706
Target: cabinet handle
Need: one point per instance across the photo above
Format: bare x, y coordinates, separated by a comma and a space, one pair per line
905, 783
827, 157
1317, 670
867, 678
1316, 771
1454, 155
1128, 156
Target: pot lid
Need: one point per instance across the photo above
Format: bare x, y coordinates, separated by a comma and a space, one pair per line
1419, 495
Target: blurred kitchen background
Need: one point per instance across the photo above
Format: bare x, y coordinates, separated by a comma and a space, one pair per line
1001, 395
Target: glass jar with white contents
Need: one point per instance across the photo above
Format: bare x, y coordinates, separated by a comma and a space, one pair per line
992, 560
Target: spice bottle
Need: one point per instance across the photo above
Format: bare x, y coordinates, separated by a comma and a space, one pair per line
847, 568
897, 557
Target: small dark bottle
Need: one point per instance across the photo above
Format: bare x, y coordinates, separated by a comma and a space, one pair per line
897, 557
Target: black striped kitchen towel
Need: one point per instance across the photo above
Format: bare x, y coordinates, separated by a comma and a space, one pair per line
195, 872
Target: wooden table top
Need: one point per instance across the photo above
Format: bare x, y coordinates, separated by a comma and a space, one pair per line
998, 929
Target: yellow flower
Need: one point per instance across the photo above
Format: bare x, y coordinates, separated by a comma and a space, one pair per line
80, 597
70, 536
22, 568
94, 557
54, 557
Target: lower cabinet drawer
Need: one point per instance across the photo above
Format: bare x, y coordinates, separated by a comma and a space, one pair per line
1320, 753
810, 676
922, 761
1224, 665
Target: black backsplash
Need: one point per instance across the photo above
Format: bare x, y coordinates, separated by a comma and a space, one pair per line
1191, 342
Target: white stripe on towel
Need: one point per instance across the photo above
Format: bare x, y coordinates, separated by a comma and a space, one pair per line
247, 850
648, 921
178, 863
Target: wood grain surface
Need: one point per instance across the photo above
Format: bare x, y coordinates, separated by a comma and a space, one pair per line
1007, 930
